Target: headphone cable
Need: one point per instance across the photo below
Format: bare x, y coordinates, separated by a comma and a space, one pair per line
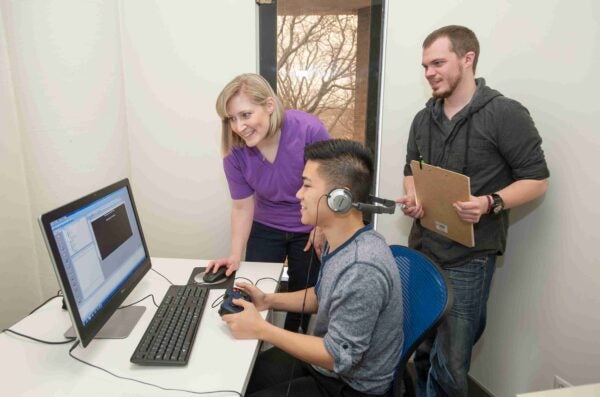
313, 252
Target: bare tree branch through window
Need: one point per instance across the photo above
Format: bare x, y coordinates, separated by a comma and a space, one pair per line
316, 70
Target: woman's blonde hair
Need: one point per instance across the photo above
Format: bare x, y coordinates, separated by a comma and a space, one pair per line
258, 91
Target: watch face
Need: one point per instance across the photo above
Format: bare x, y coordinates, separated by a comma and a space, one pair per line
498, 205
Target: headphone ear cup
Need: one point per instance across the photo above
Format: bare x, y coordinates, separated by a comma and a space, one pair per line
339, 200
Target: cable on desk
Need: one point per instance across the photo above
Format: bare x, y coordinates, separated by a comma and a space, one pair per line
46, 342
217, 301
244, 278
58, 294
162, 275
265, 278
147, 383
138, 301
68, 340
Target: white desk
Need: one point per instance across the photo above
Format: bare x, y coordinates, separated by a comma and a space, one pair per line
575, 391
217, 361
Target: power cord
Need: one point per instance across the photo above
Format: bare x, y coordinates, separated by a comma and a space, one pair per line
138, 301
265, 278
162, 275
112, 373
76, 343
143, 382
244, 278
68, 340
46, 342
58, 295
219, 299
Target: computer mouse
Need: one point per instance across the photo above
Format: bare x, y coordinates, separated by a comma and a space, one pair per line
217, 277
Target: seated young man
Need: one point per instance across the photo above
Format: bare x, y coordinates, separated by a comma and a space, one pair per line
357, 299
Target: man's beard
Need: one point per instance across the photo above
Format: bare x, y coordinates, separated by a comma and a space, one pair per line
452, 84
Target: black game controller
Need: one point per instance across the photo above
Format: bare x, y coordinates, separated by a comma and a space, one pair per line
227, 307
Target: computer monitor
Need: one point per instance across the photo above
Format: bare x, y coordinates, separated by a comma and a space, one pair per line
99, 255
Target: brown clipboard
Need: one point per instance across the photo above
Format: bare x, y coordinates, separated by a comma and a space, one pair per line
436, 189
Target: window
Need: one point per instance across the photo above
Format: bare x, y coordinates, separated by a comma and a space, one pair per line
323, 57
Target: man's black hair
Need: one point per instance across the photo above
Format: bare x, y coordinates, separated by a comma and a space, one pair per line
344, 163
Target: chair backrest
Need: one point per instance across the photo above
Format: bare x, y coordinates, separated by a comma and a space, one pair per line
426, 298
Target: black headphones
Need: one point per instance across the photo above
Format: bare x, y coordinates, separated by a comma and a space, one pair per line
340, 200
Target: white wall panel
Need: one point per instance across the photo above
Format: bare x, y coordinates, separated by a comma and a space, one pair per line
66, 69
543, 318
177, 56
18, 261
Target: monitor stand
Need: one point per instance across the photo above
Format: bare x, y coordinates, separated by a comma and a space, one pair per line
119, 326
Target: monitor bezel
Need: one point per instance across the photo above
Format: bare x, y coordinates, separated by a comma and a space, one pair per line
85, 333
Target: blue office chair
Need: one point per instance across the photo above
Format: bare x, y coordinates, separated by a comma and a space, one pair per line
426, 299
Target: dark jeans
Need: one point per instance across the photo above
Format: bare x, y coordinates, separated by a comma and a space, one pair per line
442, 361
272, 375
267, 244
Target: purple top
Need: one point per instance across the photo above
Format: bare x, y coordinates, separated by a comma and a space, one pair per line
274, 185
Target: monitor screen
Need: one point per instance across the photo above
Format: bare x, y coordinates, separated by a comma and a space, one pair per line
99, 254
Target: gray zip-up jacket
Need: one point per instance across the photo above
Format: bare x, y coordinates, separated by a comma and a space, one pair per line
494, 141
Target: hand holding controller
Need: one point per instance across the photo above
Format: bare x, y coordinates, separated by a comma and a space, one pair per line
227, 307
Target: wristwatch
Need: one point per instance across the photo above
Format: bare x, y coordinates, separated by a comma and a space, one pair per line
497, 204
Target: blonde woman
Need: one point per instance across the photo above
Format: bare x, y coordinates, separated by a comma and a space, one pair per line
263, 148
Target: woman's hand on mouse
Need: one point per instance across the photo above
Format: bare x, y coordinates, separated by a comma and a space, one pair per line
259, 298
232, 263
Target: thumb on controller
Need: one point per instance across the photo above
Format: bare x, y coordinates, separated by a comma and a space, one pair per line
241, 302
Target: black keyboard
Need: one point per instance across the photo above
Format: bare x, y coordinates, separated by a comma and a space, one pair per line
169, 338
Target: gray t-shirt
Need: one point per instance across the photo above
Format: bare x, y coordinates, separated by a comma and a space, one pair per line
360, 312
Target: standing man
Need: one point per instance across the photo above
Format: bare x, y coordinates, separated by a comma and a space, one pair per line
469, 128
